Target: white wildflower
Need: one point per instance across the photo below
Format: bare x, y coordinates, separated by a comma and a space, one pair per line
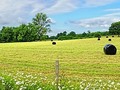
59, 88
109, 81
109, 85
69, 81
40, 89
112, 83
18, 83
100, 80
118, 84
63, 87
22, 88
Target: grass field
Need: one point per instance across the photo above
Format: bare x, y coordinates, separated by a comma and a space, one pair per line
81, 59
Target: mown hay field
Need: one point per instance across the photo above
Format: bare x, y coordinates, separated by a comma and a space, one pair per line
81, 58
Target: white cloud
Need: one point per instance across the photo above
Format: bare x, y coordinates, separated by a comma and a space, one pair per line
95, 3
113, 10
99, 22
13, 12
62, 6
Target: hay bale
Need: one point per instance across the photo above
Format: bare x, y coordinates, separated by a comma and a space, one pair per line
106, 36
112, 35
51, 39
109, 39
53, 43
98, 38
110, 49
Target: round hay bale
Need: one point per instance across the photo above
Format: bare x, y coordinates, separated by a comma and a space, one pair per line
106, 36
51, 39
110, 49
53, 43
112, 35
109, 39
98, 38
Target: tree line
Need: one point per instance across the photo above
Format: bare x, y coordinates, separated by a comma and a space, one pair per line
36, 30
72, 35
114, 29
40, 25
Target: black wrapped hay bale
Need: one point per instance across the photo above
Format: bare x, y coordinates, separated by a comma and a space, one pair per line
51, 39
53, 43
98, 38
112, 35
106, 36
109, 39
110, 49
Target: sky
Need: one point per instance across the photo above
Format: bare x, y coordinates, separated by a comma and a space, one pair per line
66, 15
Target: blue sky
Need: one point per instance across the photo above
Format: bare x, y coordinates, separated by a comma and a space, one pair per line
66, 15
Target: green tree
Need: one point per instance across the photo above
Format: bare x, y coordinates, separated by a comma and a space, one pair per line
84, 34
64, 33
6, 34
72, 33
32, 32
25, 33
97, 34
42, 24
21, 32
115, 28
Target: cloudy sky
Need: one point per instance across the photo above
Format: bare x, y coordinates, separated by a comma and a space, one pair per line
66, 15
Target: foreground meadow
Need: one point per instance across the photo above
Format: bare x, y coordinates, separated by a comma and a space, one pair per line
83, 65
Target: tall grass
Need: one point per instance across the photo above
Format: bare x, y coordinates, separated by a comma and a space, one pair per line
22, 81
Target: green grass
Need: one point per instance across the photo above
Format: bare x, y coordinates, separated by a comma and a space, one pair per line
83, 59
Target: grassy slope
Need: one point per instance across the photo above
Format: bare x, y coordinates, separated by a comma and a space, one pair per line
82, 58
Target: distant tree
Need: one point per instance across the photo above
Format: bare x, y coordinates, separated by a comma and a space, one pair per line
64, 33
21, 33
79, 36
32, 32
6, 34
59, 34
115, 28
97, 34
53, 37
25, 33
104, 33
72, 33
84, 34
88, 32
42, 24
15, 34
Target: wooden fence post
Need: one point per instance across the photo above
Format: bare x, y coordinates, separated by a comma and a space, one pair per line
57, 73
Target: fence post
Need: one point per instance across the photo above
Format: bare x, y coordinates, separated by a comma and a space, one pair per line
57, 73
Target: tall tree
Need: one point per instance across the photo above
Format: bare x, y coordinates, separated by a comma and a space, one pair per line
42, 24
115, 28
